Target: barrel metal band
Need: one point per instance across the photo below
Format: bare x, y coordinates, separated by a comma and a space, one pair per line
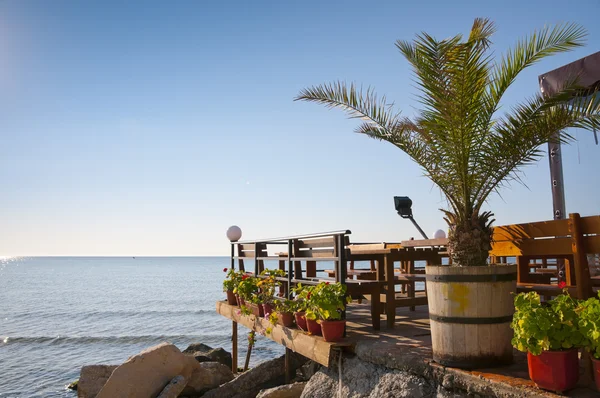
473, 278
470, 320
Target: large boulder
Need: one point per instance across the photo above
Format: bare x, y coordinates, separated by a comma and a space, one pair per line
205, 353
174, 388
146, 374
92, 379
285, 391
366, 380
192, 348
211, 375
266, 375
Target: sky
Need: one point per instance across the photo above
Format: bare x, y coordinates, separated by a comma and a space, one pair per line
148, 128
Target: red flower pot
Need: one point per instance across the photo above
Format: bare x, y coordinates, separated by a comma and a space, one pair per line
313, 327
596, 364
231, 300
286, 319
554, 370
301, 321
267, 308
256, 309
333, 330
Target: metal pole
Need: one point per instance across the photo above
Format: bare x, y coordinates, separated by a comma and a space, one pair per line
419, 228
556, 178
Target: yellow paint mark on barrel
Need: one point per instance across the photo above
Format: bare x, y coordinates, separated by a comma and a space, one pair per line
458, 294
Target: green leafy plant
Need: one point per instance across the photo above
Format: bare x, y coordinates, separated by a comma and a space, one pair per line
302, 295
326, 301
462, 140
589, 325
247, 287
545, 326
232, 279
287, 305
267, 285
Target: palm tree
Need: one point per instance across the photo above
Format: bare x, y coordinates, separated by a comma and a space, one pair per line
460, 138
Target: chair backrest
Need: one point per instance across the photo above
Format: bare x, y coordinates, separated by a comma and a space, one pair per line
570, 239
550, 238
250, 251
319, 247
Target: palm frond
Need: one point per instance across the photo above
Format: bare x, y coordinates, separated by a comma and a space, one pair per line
458, 139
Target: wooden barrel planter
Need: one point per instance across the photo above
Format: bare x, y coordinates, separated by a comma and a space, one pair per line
470, 311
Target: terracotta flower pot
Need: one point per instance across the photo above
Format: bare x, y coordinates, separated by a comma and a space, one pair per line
596, 364
333, 330
231, 300
301, 321
267, 308
285, 319
240, 300
554, 370
313, 327
256, 309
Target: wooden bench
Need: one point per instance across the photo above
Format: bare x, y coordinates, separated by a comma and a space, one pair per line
568, 241
309, 249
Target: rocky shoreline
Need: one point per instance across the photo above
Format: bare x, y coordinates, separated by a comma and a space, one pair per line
164, 371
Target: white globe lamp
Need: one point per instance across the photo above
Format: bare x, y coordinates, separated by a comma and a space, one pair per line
439, 234
234, 233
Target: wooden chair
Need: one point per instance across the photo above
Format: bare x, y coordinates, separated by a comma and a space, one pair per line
535, 244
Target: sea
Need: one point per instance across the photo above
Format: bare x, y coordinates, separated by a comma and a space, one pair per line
58, 314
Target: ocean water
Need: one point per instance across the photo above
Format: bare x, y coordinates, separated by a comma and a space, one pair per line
58, 314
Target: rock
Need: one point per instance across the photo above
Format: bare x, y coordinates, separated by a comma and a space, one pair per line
147, 373
204, 353
211, 375
443, 393
92, 379
366, 380
192, 348
214, 355
265, 375
309, 369
285, 391
73, 385
174, 388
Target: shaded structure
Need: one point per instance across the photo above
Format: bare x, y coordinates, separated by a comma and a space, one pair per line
584, 72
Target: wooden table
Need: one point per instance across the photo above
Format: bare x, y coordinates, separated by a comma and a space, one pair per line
385, 255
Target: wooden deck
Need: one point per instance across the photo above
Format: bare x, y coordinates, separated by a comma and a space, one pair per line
406, 347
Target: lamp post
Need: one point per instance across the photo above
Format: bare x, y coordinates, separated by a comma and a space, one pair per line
403, 206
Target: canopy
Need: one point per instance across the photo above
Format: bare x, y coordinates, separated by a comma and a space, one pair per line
585, 72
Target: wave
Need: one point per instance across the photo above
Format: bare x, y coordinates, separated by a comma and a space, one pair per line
63, 340
126, 313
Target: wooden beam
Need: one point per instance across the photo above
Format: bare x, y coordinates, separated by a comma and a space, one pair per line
582, 270
541, 229
425, 242
312, 347
234, 348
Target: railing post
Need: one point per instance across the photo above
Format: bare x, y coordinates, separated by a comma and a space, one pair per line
255, 258
290, 270
341, 274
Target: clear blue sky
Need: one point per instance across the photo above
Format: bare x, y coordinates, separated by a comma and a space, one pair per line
148, 128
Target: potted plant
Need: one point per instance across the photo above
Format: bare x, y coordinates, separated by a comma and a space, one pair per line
248, 292
551, 336
470, 146
230, 283
284, 312
325, 306
589, 325
302, 295
267, 286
